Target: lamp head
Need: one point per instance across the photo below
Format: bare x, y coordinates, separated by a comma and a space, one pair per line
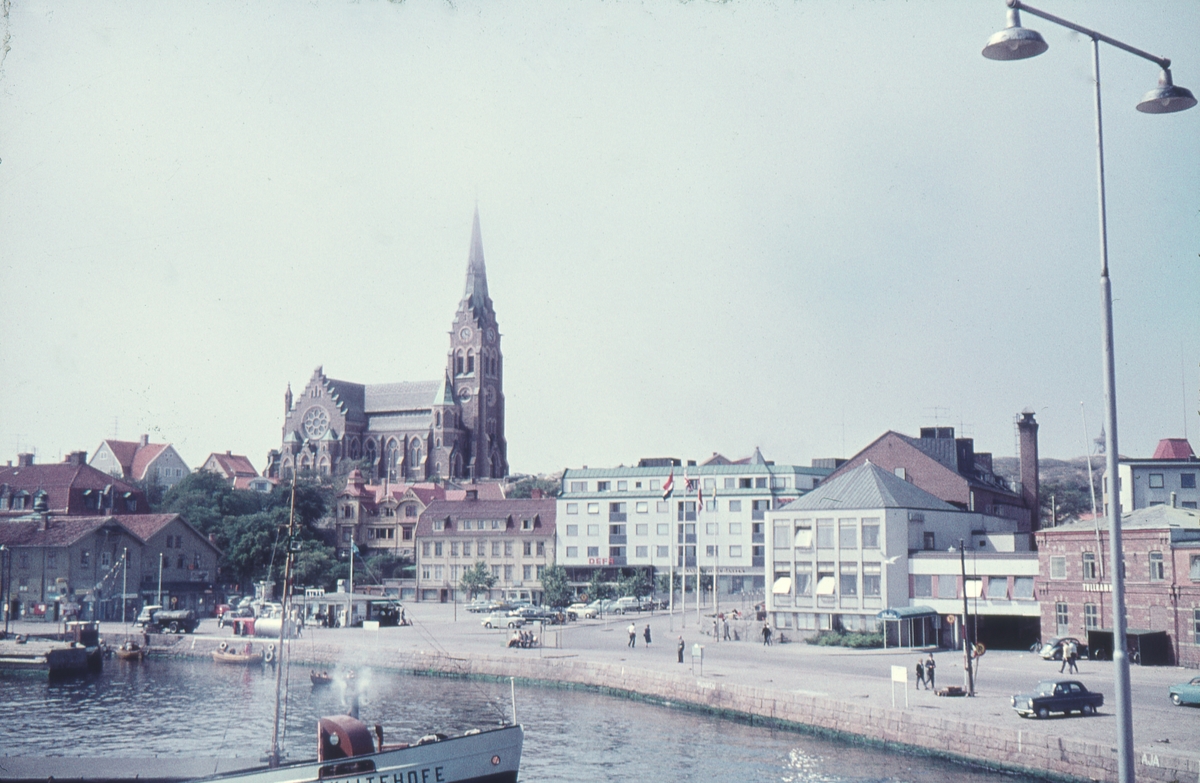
1015, 42
1166, 98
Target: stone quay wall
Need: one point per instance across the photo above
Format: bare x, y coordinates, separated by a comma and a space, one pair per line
966, 741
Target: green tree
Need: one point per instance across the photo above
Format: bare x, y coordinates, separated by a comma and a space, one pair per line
477, 579
635, 582
556, 588
523, 488
599, 589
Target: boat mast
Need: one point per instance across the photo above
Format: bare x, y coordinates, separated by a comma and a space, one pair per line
283, 625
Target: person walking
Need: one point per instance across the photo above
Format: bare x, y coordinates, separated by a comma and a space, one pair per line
1073, 656
725, 628
930, 668
679, 649
646, 634
632, 635
766, 633
1066, 656
920, 675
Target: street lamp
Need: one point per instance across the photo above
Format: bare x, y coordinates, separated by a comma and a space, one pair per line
966, 636
1018, 43
4, 585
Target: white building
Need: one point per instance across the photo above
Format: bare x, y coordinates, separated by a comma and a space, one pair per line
869, 541
714, 517
1166, 479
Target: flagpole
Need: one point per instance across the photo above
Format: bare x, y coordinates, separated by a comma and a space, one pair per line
668, 488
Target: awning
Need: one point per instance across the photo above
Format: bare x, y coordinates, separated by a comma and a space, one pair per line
783, 585
906, 613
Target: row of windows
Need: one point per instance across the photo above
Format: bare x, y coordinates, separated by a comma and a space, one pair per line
503, 573
1186, 481
660, 551
946, 586
828, 535
830, 579
1154, 561
463, 548
440, 525
664, 507
730, 482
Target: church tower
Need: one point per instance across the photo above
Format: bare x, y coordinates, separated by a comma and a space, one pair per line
476, 369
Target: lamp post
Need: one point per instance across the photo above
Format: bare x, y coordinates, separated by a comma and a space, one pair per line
966, 640
1018, 43
4, 585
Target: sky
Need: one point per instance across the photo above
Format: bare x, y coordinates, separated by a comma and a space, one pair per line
708, 226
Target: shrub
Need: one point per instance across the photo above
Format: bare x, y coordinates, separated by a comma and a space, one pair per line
845, 639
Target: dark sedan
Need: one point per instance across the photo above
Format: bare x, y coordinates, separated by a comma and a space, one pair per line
1065, 696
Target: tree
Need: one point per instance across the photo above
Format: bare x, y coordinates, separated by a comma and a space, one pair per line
477, 579
635, 582
556, 588
599, 589
524, 487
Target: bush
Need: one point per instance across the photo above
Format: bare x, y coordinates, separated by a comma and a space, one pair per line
844, 639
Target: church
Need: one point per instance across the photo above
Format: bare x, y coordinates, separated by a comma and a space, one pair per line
410, 431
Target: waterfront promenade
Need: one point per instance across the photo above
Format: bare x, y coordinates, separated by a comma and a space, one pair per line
837, 690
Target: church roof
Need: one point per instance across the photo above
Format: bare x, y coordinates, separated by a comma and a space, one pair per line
476, 291
403, 396
868, 486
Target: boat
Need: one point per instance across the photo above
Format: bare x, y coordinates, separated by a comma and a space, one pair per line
130, 651
320, 678
225, 654
348, 751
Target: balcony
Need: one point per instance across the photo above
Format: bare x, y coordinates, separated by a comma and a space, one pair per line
616, 516
758, 561
758, 514
758, 538
617, 539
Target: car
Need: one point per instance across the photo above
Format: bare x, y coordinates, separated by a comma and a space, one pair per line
1053, 649
525, 611
229, 615
627, 603
581, 610
1065, 696
478, 607
1185, 692
501, 620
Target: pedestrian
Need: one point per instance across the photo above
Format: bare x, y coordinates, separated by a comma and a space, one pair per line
1073, 649
766, 633
679, 649
646, 634
716, 629
1066, 656
930, 668
920, 675
725, 629
632, 635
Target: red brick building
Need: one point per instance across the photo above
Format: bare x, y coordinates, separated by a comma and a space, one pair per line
70, 487
1161, 547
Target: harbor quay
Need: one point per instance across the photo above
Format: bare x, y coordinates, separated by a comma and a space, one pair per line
826, 690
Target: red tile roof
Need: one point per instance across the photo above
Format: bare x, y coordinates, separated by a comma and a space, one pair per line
1174, 448
64, 484
145, 455
61, 530
518, 508
233, 465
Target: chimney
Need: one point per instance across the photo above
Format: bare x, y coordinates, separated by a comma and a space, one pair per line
145, 441
1173, 499
228, 453
1027, 429
76, 458
24, 460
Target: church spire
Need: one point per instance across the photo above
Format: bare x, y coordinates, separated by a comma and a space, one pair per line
476, 293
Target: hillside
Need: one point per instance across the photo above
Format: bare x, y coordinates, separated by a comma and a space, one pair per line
1063, 483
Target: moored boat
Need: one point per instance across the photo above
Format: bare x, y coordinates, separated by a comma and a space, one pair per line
130, 651
225, 654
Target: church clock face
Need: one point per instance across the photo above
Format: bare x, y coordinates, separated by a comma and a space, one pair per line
465, 333
465, 395
316, 422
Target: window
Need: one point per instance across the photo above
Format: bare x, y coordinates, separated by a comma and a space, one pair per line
572, 530
527, 524
1156, 567
496, 571
593, 508
453, 549
930, 540
425, 549
662, 551
508, 572
922, 586
1156, 481
495, 549
870, 533
730, 483
572, 551
437, 548
540, 570
804, 535
825, 583
1187, 480
439, 525
541, 548
508, 548
783, 535
179, 561
572, 508
997, 589
1194, 569
642, 507
527, 548
779, 482
1196, 625
973, 587
760, 482
643, 551
663, 529
616, 530
466, 545
825, 534
622, 486
593, 530
735, 505
105, 562
710, 551
527, 572
662, 506
1058, 567
1091, 616
1062, 619
51, 560
947, 586
1089, 565
849, 580
804, 584
654, 485
426, 572
735, 550
642, 529
439, 571
735, 528
579, 486
593, 551
603, 486
847, 534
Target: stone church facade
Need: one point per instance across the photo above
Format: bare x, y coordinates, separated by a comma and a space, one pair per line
411, 431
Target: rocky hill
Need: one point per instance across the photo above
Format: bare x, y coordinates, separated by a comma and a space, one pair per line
1064, 483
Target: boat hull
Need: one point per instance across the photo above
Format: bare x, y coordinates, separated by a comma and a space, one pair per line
486, 757
237, 658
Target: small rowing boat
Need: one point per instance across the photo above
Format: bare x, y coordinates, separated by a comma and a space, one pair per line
224, 654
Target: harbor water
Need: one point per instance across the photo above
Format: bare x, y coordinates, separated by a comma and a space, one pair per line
195, 708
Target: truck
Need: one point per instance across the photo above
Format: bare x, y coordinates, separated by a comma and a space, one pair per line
155, 619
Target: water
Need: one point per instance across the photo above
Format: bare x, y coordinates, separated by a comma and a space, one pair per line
195, 708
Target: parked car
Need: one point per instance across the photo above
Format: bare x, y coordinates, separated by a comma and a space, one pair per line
501, 620
581, 610
1053, 649
627, 603
1065, 696
1185, 692
477, 606
229, 615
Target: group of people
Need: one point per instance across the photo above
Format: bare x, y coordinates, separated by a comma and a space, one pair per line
522, 639
1070, 654
632, 629
926, 671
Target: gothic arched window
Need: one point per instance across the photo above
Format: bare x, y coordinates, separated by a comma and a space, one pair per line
458, 364
437, 419
394, 455
414, 453
354, 450
369, 452
470, 362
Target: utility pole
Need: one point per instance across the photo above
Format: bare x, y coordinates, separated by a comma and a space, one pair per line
124, 583
160, 568
970, 676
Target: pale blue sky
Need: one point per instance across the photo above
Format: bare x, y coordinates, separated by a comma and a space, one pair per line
708, 226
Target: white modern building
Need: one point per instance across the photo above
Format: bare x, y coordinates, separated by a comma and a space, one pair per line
870, 541
713, 518
1166, 479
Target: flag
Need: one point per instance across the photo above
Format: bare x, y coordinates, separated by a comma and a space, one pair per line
669, 486
699, 497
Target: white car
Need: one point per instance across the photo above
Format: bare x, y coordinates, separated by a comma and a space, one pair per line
500, 620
